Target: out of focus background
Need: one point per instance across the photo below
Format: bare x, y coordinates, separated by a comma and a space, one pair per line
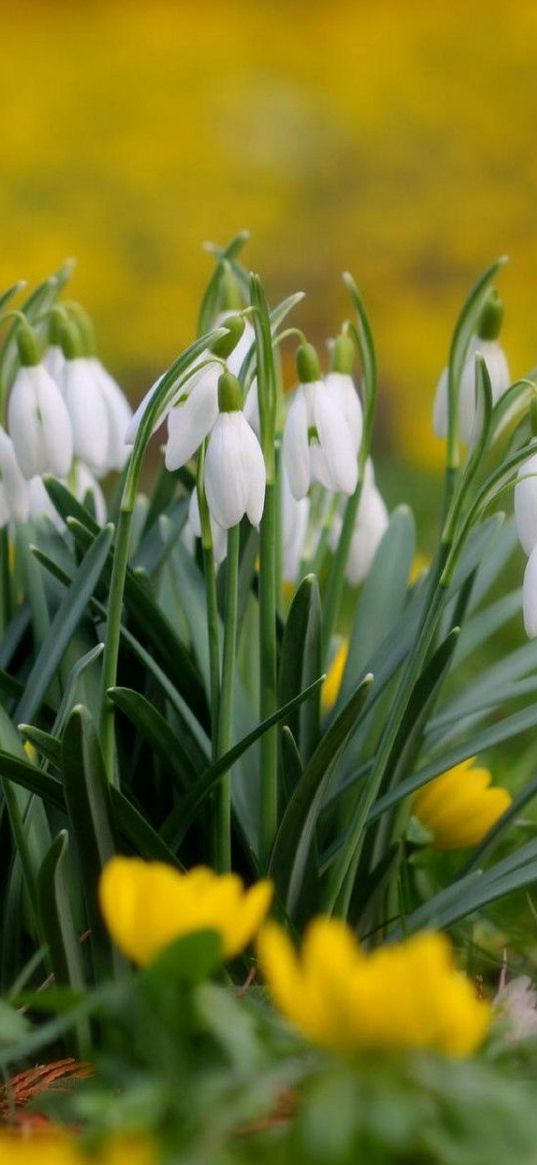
395, 140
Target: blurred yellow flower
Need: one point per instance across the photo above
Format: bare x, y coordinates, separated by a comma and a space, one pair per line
332, 683
409, 995
58, 1148
147, 905
459, 807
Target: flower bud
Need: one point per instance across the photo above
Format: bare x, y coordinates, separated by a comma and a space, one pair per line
28, 346
229, 393
490, 321
307, 364
343, 354
225, 345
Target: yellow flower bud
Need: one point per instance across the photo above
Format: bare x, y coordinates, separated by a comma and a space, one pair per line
147, 905
332, 683
460, 807
408, 995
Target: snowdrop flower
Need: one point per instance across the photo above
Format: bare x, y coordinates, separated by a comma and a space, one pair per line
526, 504
219, 535
369, 529
14, 502
517, 1001
341, 387
318, 444
234, 466
295, 528
118, 411
529, 595
41, 505
184, 427
487, 345
85, 404
38, 419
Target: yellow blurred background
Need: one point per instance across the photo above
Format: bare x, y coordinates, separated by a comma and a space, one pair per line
393, 139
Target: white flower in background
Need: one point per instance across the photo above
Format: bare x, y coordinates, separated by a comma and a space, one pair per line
529, 595
295, 519
370, 526
88, 413
41, 505
54, 362
526, 504
218, 534
517, 1002
118, 411
81, 483
38, 420
487, 345
235, 475
318, 444
14, 501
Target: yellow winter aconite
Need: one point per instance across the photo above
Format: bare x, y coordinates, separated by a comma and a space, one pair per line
460, 807
58, 1148
409, 995
334, 677
147, 905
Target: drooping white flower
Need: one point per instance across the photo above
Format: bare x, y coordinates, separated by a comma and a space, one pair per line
342, 390
232, 347
118, 411
529, 595
318, 444
235, 476
193, 417
38, 420
295, 518
369, 528
526, 504
14, 501
517, 1002
486, 344
41, 505
219, 535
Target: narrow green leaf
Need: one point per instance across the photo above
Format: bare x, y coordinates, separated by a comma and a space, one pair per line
154, 729
59, 928
48, 745
300, 662
65, 621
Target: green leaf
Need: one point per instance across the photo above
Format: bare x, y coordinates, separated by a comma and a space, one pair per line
233, 1027
49, 746
181, 817
63, 626
300, 662
156, 731
59, 927
295, 835
190, 959
13, 1025
383, 597
88, 805
292, 767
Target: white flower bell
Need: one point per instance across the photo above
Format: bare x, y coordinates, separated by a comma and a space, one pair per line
38, 419
318, 444
529, 595
341, 387
526, 504
82, 483
14, 501
41, 505
235, 476
119, 413
295, 520
369, 528
487, 345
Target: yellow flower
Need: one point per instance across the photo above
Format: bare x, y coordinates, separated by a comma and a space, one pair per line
58, 1148
409, 995
334, 677
459, 807
147, 905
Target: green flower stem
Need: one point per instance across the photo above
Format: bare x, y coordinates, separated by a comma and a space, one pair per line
336, 580
222, 837
211, 598
111, 642
5, 577
268, 673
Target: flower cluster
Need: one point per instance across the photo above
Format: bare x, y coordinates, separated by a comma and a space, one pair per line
66, 416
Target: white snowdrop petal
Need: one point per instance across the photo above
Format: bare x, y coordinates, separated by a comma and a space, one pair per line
84, 483
529, 595
41, 505
119, 414
39, 424
54, 362
225, 483
336, 441
342, 389
440, 408
526, 504
135, 421
251, 408
191, 421
194, 514
253, 467
219, 536
295, 446
88, 413
295, 519
14, 487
